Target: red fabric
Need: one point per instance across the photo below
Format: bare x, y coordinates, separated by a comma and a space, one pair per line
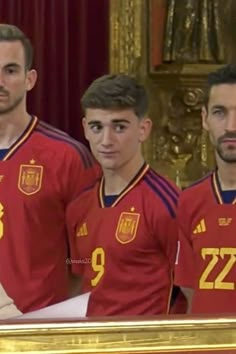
126, 253
157, 29
71, 49
34, 193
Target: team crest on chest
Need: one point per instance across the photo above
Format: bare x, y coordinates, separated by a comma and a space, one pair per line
30, 178
127, 227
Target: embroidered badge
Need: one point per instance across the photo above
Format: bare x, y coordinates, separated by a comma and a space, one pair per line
30, 178
127, 227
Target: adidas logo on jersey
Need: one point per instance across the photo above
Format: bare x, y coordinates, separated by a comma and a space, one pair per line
200, 228
82, 231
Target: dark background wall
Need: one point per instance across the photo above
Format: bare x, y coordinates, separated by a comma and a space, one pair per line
70, 38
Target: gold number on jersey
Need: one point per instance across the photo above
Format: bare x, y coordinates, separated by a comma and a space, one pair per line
203, 284
1, 221
98, 263
217, 254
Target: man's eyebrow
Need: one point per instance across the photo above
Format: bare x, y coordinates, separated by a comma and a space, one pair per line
12, 65
94, 122
120, 120
218, 106
113, 121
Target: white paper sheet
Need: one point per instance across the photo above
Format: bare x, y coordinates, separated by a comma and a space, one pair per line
72, 308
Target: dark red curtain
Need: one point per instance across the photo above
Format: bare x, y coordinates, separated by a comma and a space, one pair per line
70, 38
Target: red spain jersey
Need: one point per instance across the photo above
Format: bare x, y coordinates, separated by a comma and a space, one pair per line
126, 252
206, 260
42, 172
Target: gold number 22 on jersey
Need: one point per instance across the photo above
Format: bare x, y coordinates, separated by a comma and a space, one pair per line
98, 263
1, 221
216, 255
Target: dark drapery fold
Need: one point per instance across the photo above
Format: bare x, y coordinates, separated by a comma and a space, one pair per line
70, 38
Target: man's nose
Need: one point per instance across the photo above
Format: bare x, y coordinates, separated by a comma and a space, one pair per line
107, 136
231, 122
2, 80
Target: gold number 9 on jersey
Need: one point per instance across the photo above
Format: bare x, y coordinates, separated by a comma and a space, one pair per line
98, 263
1, 222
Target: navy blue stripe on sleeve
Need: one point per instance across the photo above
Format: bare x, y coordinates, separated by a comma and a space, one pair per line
86, 157
168, 201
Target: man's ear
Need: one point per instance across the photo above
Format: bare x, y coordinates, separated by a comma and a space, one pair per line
85, 127
31, 78
145, 128
204, 115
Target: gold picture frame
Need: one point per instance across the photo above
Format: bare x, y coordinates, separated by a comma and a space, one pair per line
114, 335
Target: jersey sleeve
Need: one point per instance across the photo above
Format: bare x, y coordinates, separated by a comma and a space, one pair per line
165, 223
184, 268
168, 237
79, 172
73, 260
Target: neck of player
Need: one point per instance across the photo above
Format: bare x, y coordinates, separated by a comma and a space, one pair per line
227, 175
12, 126
117, 179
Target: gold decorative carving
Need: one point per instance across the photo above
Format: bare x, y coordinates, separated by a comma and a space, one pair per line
194, 31
125, 35
178, 146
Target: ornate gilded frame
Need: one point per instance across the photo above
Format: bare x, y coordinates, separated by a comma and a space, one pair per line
149, 335
126, 35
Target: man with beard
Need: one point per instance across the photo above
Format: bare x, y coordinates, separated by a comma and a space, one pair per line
41, 170
206, 260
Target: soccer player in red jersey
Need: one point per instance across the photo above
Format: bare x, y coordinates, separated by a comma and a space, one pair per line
126, 233
206, 261
41, 170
